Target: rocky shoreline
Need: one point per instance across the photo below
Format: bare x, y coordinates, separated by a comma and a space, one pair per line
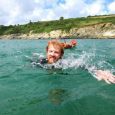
100, 31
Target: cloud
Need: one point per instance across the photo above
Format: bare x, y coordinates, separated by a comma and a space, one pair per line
111, 7
9, 10
95, 8
22, 11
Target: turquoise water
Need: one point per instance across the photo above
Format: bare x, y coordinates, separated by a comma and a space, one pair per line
26, 89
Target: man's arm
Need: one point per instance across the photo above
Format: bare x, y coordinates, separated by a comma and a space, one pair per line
107, 76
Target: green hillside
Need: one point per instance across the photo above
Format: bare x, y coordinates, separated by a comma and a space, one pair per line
63, 24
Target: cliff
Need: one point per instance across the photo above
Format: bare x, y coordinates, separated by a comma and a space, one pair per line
100, 30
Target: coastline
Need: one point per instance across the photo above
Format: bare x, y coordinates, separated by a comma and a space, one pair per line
97, 31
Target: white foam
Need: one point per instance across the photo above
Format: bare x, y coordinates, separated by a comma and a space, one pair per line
87, 60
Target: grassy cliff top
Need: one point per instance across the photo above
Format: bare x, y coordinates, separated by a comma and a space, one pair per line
63, 24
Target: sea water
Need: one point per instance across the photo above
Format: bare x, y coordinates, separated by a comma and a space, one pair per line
69, 89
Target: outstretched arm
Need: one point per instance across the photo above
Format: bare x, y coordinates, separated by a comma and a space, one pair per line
107, 76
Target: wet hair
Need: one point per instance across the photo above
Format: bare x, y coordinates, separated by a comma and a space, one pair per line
56, 43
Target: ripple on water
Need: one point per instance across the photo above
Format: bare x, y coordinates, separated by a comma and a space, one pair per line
66, 89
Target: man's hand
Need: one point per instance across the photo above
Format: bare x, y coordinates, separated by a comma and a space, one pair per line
105, 75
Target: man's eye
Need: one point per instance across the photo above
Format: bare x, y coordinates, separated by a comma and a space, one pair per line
57, 52
50, 51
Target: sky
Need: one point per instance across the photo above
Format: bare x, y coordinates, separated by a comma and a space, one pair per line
22, 11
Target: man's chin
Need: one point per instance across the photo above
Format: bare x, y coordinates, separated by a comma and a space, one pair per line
51, 61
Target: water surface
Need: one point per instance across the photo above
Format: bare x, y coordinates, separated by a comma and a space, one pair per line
26, 89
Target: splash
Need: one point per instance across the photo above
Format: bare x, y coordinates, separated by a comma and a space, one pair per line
85, 60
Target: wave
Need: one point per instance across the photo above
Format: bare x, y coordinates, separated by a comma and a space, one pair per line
86, 60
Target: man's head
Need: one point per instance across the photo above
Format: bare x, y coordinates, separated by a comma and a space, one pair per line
54, 51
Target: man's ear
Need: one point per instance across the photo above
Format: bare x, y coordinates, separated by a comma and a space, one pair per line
62, 52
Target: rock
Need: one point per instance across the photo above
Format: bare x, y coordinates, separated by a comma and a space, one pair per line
102, 30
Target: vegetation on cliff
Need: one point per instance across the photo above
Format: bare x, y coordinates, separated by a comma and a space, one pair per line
62, 24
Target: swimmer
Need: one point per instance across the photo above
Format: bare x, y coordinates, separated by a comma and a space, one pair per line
55, 51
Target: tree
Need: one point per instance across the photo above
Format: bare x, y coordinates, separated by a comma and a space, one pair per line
61, 18
30, 22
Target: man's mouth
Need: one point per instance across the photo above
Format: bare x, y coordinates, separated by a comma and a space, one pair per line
52, 57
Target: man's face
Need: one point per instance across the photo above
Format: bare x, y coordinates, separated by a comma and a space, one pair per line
53, 54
